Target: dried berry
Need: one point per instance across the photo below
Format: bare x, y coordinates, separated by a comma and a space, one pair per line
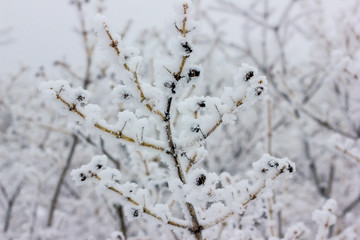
170, 85
80, 98
135, 213
273, 163
201, 104
201, 180
195, 128
125, 95
249, 75
259, 90
82, 177
186, 47
193, 73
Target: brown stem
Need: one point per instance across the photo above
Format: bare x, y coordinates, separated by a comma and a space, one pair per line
120, 212
118, 135
114, 45
196, 227
348, 153
351, 206
144, 209
61, 180
218, 123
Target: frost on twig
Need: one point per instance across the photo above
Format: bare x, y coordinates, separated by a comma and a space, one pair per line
213, 204
158, 118
324, 218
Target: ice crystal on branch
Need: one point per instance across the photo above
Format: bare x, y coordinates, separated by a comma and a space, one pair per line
162, 119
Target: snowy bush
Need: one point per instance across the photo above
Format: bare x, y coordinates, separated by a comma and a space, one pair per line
162, 119
177, 138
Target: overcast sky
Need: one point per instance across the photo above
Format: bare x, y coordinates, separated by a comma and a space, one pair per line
44, 30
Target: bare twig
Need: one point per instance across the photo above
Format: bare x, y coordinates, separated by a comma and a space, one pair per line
68, 69
10, 203
120, 212
116, 162
327, 125
61, 180
351, 206
348, 153
126, 29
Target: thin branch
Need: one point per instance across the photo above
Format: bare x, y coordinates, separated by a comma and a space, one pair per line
114, 45
232, 8
71, 190
269, 127
219, 220
327, 125
191, 163
120, 212
61, 180
89, 48
330, 180
4, 192
255, 194
67, 67
196, 228
252, 196
351, 206
118, 135
218, 123
271, 217
102, 147
126, 29
13, 80
144, 208
348, 153
313, 169
11, 202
